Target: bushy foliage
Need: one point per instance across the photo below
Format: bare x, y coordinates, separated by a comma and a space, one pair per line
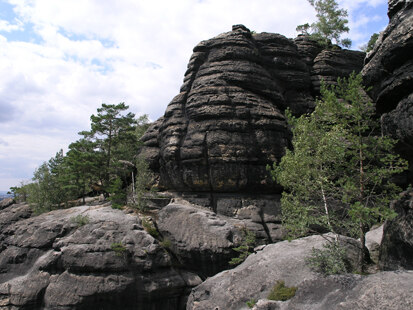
251, 303
331, 23
331, 259
117, 194
370, 45
338, 174
150, 228
281, 292
80, 220
143, 180
118, 248
94, 162
246, 247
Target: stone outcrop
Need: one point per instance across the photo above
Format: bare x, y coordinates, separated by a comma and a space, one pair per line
329, 65
203, 240
389, 71
227, 123
6, 202
285, 260
396, 250
89, 257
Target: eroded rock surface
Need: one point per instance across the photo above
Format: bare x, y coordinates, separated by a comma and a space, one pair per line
285, 260
255, 277
89, 257
396, 250
202, 240
389, 71
227, 123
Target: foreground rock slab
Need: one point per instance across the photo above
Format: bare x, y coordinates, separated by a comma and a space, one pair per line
285, 260
86, 258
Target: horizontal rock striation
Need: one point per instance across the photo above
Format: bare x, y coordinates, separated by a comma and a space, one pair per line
86, 258
388, 71
227, 123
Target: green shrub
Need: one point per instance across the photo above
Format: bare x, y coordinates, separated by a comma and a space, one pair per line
282, 292
118, 248
80, 220
329, 260
150, 228
246, 247
165, 243
251, 303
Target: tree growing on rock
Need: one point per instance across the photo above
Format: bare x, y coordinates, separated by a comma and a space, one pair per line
330, 25
338, 175
114, 137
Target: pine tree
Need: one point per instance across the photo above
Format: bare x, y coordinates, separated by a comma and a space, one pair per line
114, 136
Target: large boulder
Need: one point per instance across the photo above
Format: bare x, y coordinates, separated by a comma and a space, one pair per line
286, 261
255, 277
388, 71
396, 250
205, 242
227, 123
202, 241
88, 257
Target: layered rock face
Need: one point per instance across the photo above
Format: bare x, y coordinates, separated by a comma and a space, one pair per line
389, 71
227, 123
85, 258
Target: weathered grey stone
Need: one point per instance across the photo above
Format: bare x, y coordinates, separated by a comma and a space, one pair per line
227, 123
6, 203
53, 261
382, 291
202, 240
388, 71
373, 241
265, 304
396, 250
254, 278
332, 64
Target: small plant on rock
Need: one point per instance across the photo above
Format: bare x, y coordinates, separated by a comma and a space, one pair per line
118, 248
282, 292
246, 247
165, 243
251, 303
150, 228
80, 220
329, 260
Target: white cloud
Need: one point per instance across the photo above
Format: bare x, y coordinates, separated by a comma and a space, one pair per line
86, 52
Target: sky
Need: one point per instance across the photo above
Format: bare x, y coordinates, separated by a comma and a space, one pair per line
60, 60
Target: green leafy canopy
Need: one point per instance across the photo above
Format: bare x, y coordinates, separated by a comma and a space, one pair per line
338, 176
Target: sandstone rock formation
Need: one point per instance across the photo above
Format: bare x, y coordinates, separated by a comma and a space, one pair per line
89, 257
227, 123
285, 260
203, 240
396, 250
389, 71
